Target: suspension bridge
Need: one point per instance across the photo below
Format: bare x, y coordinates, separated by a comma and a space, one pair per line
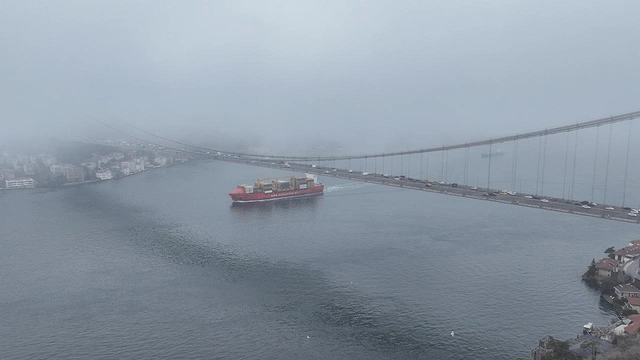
583, 174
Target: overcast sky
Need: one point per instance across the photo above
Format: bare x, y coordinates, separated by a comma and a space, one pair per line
381, 74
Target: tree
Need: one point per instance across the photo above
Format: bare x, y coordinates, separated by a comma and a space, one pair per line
560, 350
592, 345
592, 269
628, 349
610, 250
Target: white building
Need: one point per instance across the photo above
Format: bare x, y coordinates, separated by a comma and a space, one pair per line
8, 174
115, 156
74, 173
139, 164
161, 161
131, 165
627, 253
104, 174
48, 160
91, 165
29, 169
626, 290
27, 183
56, 170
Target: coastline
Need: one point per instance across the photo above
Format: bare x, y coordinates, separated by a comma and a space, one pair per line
94, 180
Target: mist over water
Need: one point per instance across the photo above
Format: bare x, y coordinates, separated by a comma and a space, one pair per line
161, 265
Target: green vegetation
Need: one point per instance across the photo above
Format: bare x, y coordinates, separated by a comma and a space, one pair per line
591, 272
560, 351
628, 349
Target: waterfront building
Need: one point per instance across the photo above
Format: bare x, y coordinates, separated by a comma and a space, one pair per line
131, 165
47, 160
580, 348
627, 253
91, 165
626, 290
8, 174
73, 174
26, 183
634, 303
56, 169
139, 164
634, 327
607, 267
29, 169
161, 161
104, 174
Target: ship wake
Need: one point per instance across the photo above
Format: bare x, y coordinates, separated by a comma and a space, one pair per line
346, 186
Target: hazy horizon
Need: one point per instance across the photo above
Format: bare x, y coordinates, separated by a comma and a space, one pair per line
370, 75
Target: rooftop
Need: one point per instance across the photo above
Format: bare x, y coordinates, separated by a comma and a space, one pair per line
607, 264
634, 301
635, 324
634, 242
628, 288
576, 346
629, 250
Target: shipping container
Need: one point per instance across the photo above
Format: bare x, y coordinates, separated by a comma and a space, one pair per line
248, 189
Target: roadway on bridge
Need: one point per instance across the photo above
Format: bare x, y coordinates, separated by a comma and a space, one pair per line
553, 204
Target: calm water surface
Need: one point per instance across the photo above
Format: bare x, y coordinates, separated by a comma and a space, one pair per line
160, 265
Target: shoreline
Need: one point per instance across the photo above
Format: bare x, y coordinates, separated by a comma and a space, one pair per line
86, 182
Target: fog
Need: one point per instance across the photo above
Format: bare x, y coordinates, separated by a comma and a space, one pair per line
363, 75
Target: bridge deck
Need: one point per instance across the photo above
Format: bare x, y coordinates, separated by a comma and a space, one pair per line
554, 204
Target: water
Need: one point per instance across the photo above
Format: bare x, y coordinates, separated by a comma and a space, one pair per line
160, 265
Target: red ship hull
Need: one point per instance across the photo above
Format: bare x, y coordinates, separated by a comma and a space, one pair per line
240, 196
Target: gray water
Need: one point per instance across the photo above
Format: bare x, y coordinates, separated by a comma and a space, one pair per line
160, 265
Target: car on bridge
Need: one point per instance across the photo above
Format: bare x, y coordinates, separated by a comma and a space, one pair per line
544, 200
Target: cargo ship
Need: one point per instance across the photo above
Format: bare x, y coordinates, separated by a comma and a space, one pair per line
277, 188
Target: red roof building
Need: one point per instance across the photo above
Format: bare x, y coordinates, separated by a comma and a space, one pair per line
627, 253
633, 301
634, 326
607, 267
607, 264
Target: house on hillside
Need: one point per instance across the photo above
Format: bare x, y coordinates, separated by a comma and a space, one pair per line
634, 327
627, 291
627, 253
586, 346
634, 302
607, 267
